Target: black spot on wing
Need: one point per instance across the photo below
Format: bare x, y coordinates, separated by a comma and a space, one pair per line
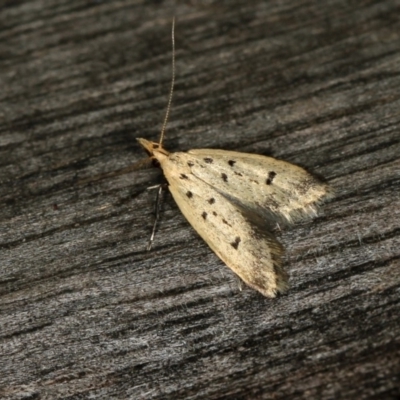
190, 163
235, 244
208, 160
271, 176
183, 176
211, 200
226, 222
238, 173
204, 215
231, 163
224, 177
215, 214
189, 194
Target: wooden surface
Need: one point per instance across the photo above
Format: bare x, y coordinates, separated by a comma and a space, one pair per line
85, 311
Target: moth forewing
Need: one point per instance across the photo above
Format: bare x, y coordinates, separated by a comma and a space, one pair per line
262, 183
252, 253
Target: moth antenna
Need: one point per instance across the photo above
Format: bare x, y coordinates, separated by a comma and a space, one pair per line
172, 84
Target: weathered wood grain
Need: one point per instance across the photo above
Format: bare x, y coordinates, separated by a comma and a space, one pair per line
85, 311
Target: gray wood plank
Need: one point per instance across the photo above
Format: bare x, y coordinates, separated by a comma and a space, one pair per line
86, 311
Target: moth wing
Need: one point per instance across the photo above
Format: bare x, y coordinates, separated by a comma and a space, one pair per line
260, 183
234, 234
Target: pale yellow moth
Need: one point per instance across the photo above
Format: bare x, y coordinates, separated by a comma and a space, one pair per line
232, 199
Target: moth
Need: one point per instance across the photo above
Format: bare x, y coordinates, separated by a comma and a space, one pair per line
233, 199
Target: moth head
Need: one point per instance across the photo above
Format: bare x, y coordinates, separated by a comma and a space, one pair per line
154, 150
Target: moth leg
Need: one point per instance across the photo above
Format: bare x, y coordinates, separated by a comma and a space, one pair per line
157, 213
153, 187
240, 285
278, 227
